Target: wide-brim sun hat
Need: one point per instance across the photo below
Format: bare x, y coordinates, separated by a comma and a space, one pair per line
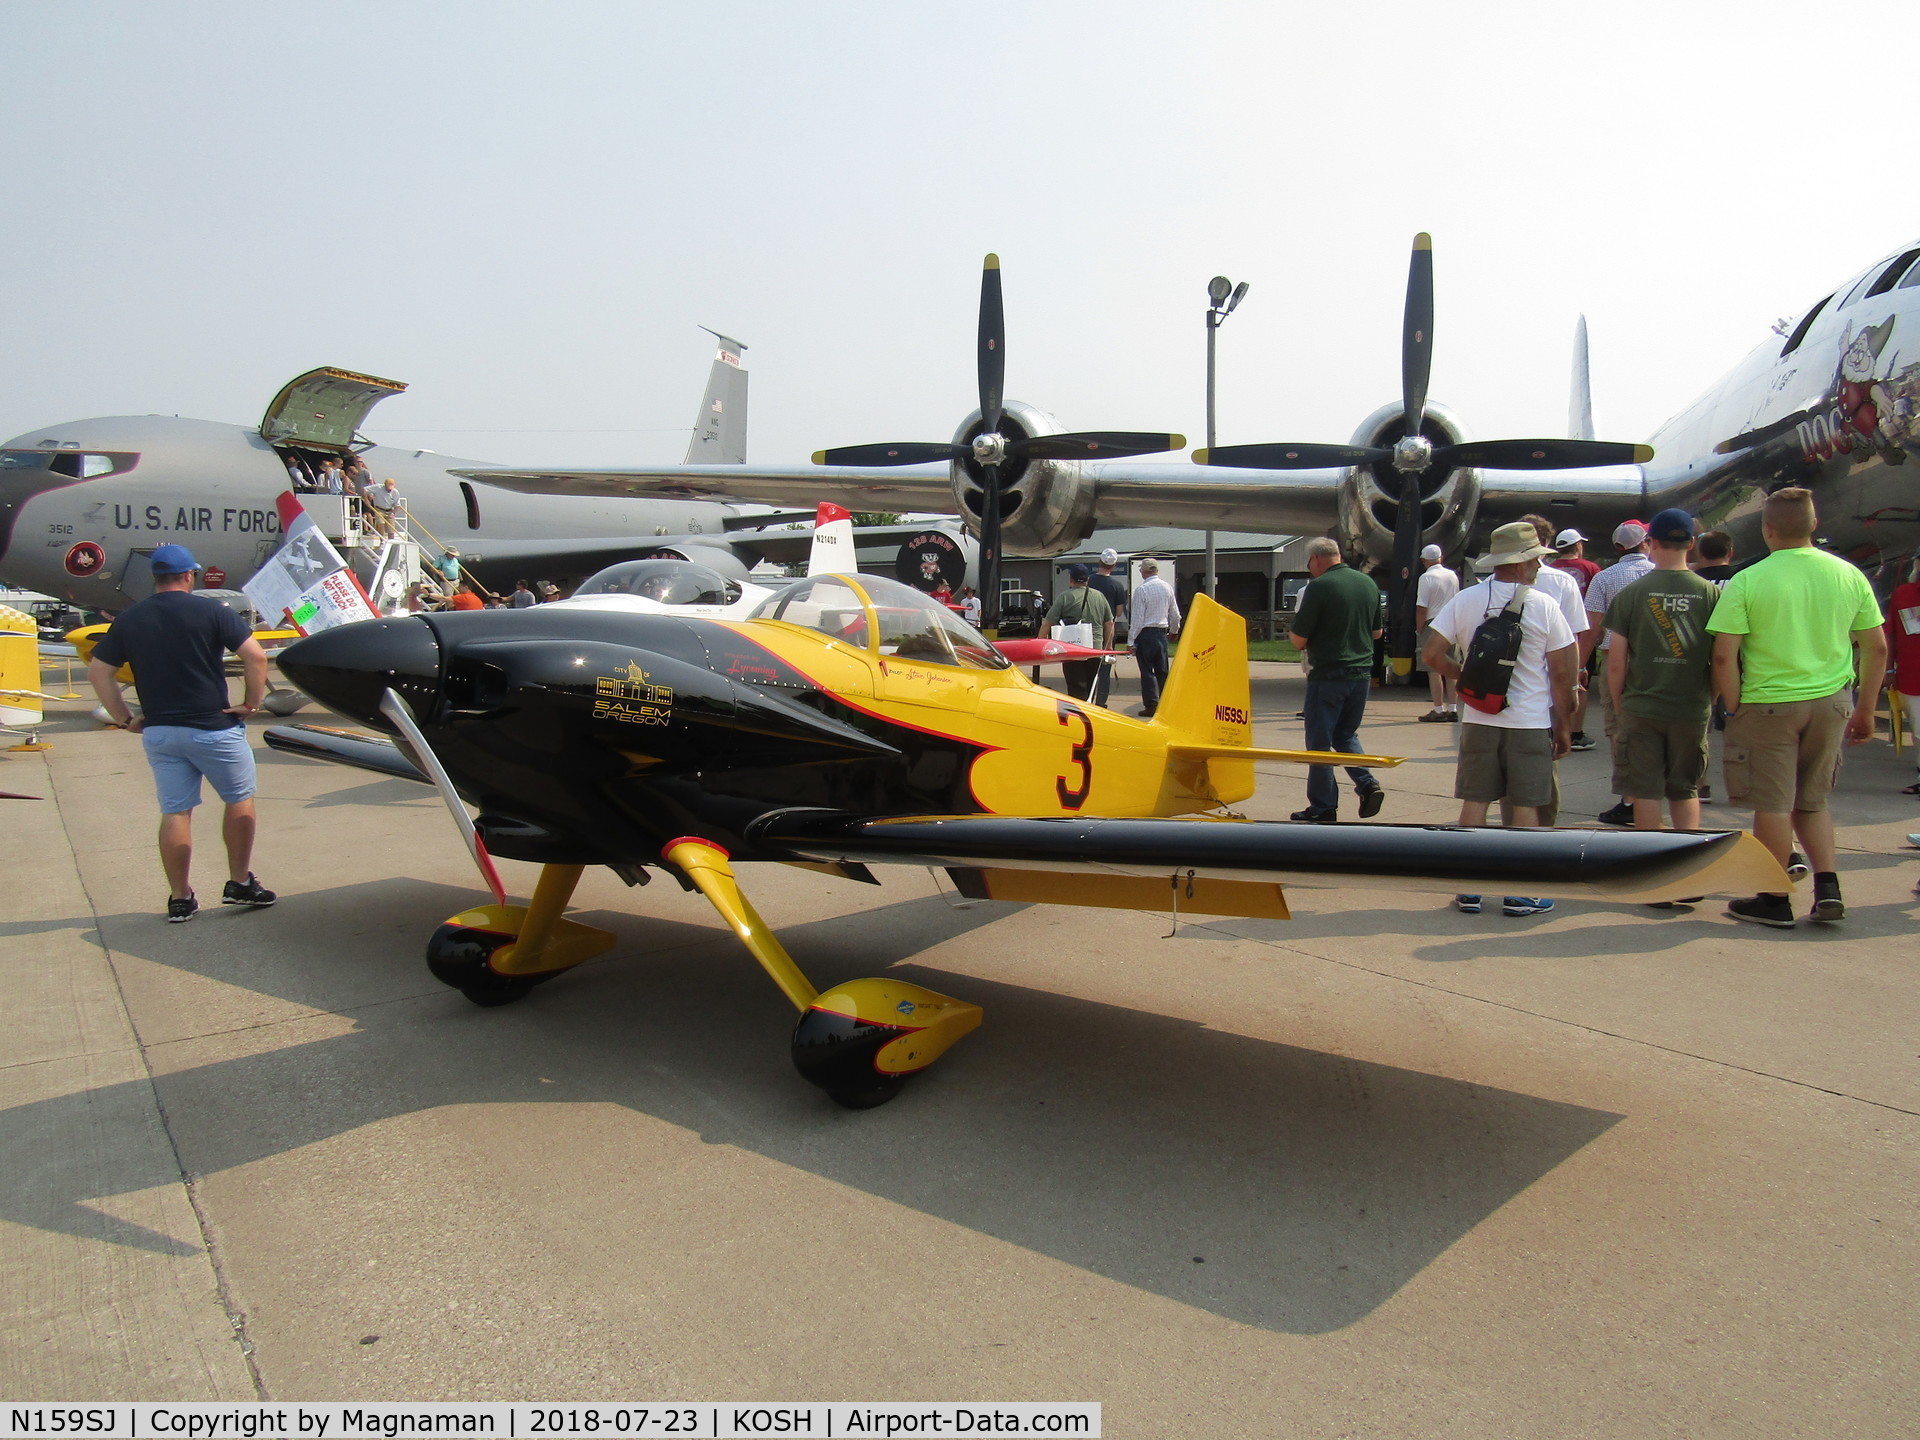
1514, 544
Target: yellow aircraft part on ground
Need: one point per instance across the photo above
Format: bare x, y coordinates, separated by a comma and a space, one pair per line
87, 636
19, 667
1046, 753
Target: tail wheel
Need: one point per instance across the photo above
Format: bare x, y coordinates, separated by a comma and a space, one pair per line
460, 956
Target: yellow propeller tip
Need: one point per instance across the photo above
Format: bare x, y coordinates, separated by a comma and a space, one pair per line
1179, 442
993, 262
1642, 454
819, 457
1423, 241
1200, 455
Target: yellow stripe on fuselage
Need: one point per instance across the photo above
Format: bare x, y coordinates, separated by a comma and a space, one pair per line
1043, 753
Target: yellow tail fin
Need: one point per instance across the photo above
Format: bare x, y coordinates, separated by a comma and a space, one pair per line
1209, 700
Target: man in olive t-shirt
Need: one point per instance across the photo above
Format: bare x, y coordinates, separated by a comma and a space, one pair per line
1336, 625
1660, 678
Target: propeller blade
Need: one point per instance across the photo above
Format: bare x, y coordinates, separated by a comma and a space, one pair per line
1094, 445
904, 452
1541, 454
1416, 335
1291, 457
993, 346
1403, 582
396, 710
990, 551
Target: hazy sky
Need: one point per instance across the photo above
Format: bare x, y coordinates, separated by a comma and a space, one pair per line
525, 210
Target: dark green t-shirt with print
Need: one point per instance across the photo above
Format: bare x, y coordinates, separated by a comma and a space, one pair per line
1664, 616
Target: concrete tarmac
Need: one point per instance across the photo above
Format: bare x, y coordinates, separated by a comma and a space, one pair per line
1383, 1170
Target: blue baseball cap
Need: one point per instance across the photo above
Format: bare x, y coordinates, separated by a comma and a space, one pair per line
174, 560
1079, 572
1671, 526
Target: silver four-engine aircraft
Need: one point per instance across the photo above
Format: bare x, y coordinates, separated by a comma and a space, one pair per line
82, 504
1831, 400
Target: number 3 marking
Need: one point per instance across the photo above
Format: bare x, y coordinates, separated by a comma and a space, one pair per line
1082, 755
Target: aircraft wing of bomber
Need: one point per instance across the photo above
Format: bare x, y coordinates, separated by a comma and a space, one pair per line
1822, 403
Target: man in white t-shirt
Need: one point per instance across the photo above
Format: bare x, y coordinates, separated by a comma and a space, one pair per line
1508, 755
1438, 585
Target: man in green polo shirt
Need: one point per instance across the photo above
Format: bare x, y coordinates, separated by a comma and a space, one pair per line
1783, 661
1336, 625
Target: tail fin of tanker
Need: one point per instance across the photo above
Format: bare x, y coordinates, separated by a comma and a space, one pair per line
720, 429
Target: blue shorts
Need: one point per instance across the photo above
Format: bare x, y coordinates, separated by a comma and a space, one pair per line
180, 755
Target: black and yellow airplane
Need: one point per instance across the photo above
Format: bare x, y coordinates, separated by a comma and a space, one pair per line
852, 721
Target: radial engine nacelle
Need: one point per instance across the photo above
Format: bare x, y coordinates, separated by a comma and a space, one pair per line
1369, 503
1046, 506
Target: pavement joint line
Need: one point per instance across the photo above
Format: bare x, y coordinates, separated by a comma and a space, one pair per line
1569, 1024
63, 1059
223, 1290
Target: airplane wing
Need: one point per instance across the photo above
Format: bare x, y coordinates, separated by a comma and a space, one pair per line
1610, 865
1198, 497
1125, 493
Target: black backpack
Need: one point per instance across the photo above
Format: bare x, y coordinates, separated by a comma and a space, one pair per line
1488, 669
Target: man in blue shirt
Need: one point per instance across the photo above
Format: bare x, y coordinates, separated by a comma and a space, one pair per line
177, 643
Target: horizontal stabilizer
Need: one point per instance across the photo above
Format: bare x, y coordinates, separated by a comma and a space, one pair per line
1298, 757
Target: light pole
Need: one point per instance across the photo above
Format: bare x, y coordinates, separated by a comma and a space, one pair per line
1223, 298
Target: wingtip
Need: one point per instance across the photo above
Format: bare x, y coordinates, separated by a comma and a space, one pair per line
1423, 241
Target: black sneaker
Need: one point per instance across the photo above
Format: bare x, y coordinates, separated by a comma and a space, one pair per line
1311, 816
181, 911
1371, 799
1706, 795
1581, 741
1434, 717
1774, 910
1797, 867
1827, 904
250, 893
1621, 814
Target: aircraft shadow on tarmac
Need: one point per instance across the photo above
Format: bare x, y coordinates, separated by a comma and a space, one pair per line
1273, 1185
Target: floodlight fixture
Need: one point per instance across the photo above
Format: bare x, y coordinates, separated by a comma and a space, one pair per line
1217, 290
1239, 294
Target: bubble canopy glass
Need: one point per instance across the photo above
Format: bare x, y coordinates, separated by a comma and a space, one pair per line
874, 613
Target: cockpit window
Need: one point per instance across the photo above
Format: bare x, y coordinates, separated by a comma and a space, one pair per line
79, 464
910, 624
1890, 276
671, 582
915, 626
826, 603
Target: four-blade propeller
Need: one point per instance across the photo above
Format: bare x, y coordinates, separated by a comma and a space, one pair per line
1413, 455
990, 449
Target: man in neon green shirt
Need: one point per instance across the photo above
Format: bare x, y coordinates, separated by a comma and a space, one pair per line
1782, 663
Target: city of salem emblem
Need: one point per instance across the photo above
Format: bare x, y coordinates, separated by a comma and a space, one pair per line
630, 698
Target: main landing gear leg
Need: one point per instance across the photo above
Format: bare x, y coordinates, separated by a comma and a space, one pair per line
859, 1041
495, 954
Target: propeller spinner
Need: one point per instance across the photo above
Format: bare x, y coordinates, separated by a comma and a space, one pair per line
1414, 454
990, 449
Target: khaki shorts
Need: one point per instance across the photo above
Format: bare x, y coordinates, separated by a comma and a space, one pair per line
1658, 758
1500, 764
1785, 757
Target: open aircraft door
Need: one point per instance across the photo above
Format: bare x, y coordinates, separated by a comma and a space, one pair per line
323, 409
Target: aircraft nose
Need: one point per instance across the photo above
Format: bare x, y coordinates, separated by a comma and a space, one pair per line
350, 667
